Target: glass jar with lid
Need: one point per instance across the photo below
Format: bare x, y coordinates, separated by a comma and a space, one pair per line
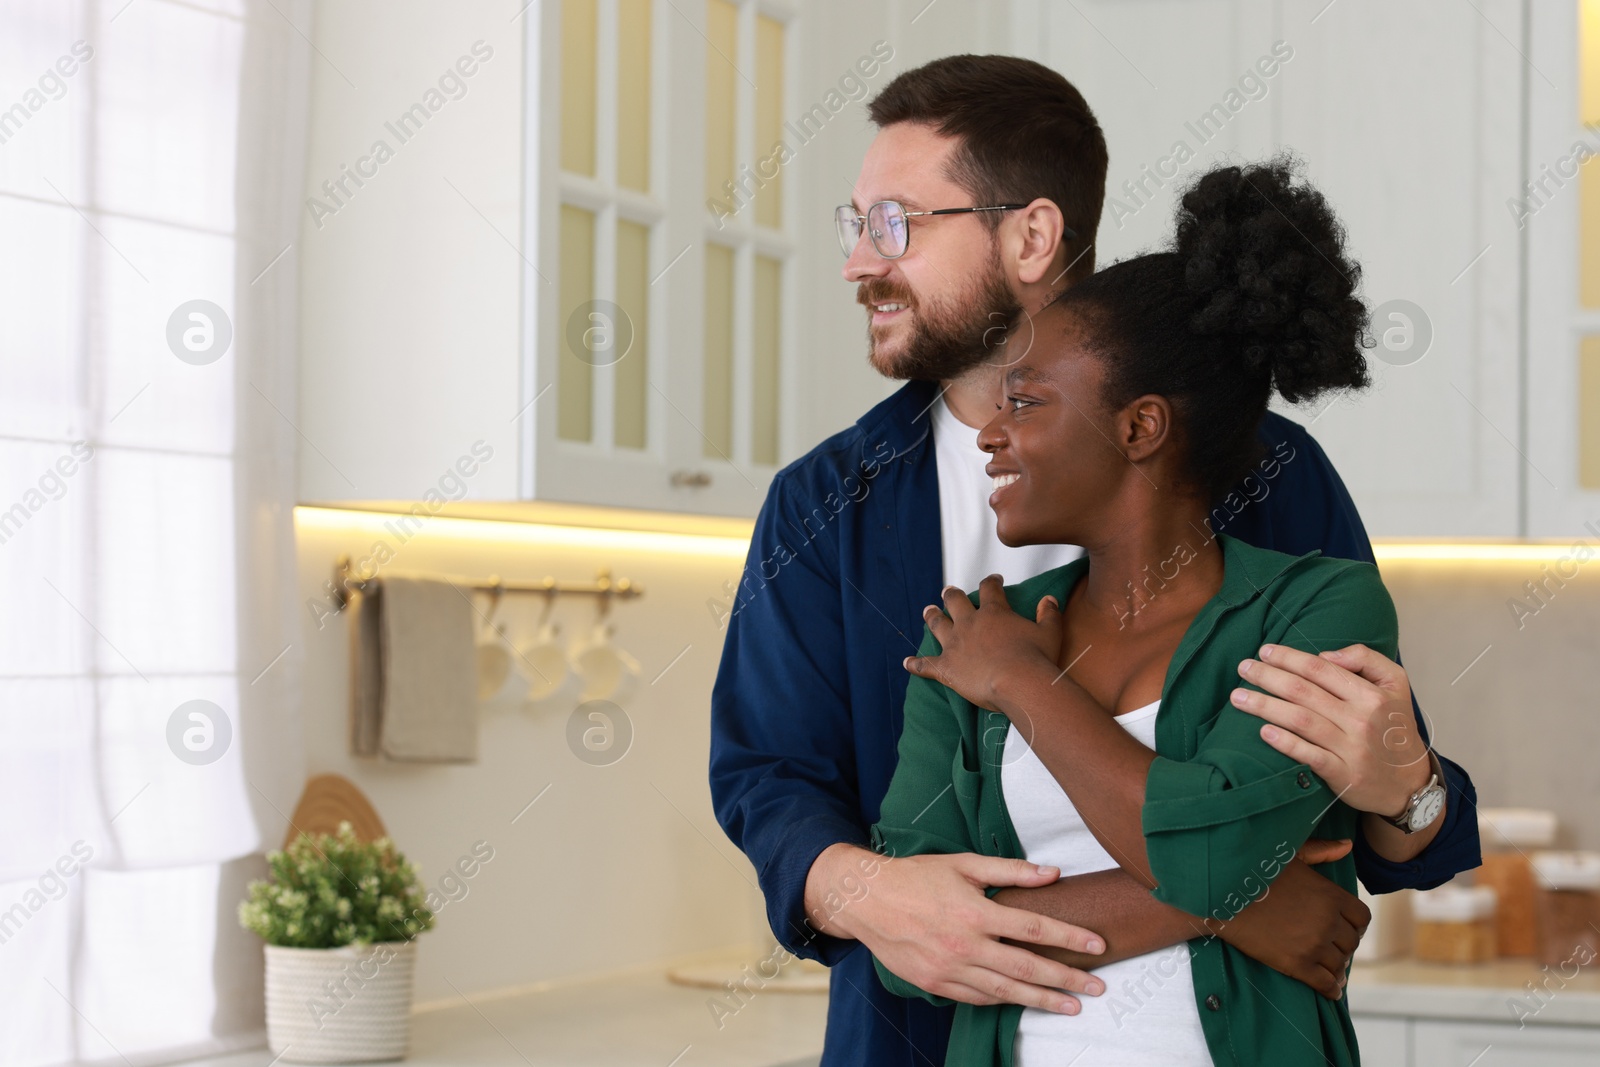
1568, 907
1509, 836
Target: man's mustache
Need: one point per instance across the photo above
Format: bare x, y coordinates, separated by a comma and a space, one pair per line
876, 291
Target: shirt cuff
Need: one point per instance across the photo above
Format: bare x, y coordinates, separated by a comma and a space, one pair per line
1453, 850
783, 882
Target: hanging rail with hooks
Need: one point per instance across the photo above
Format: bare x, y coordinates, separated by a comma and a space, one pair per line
604, 586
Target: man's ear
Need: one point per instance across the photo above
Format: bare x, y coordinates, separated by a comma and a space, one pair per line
1143, 426
1038, 228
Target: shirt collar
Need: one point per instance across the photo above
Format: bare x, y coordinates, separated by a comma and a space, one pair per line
904, 419
1247, 571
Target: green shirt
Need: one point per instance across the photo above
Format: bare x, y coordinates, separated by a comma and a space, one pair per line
1223, 810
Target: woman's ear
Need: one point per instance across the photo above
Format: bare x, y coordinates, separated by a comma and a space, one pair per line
1143, 426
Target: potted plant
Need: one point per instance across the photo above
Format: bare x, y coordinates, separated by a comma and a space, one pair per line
338, 916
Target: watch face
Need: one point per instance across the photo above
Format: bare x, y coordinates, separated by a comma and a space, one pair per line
1427, 809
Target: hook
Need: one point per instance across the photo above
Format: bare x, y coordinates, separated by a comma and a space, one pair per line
496, 589
549, 601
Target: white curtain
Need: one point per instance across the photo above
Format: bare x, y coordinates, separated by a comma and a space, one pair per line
150, 157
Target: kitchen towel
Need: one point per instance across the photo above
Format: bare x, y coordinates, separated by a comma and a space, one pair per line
414, 673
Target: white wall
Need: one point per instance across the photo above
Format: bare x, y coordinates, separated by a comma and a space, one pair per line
615, 865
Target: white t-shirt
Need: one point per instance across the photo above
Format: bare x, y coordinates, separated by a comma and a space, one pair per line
1147, 1015
972, 550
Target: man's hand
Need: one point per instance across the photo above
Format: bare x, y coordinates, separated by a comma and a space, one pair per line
1347, 715
926, 918
1305, 926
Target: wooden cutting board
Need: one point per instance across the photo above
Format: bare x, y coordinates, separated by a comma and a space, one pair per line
328, 800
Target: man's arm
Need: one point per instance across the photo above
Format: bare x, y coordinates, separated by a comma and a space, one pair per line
783, 784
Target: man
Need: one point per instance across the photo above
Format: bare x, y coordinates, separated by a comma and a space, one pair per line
858, 536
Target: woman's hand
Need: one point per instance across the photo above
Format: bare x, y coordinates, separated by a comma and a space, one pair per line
985, 648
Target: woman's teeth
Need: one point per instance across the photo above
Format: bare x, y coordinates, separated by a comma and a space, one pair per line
1003, 480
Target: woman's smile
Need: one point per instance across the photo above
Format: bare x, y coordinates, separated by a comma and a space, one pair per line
1002, 480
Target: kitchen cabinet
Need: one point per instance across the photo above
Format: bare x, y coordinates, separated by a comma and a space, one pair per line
588, 274
439, 310
1383, 1042
1558, 214
1441, 1044
1432, 1043
1436, 1043
1408, 117
1410, 1014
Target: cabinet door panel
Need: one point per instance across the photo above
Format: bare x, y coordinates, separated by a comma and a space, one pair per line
1560, 211
1407, 118
1384, 1041
1440, 1044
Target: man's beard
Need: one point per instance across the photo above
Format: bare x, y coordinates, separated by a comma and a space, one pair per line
948, 337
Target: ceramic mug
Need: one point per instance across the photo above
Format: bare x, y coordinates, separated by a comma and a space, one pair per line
497, 676
608, 672
552, 682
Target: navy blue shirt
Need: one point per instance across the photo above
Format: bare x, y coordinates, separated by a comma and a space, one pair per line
807, 707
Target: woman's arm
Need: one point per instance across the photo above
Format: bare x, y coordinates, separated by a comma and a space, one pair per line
998, 659
1305, 931
1213, 828
928, 916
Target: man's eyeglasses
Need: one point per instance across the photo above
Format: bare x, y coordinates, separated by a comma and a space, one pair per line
886, 224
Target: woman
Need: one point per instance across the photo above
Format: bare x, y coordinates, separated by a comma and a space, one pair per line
1085, 718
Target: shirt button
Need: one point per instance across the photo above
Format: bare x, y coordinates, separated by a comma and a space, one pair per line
1303, 780
1214, 1002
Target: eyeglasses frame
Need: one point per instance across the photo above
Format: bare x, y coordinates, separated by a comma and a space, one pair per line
1067, 233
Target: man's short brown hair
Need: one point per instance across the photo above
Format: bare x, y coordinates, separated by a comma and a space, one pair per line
1025, 132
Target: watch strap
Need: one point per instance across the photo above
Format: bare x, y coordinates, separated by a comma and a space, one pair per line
1436, 781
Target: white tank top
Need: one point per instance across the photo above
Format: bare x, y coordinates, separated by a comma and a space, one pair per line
1147, 1015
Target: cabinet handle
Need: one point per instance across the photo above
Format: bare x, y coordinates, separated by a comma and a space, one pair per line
690, 479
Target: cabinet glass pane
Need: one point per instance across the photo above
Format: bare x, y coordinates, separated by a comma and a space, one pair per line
717, 399
633, 94
1589, 234
1589, 413
579, 47
633, 297
722, 52
574, 373
769, 120
768, 313
1589, 62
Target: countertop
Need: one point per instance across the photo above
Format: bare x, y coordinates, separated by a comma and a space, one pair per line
640, 1019
1479, 992
633, 1019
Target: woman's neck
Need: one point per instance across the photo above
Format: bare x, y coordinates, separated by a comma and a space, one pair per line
1164, 562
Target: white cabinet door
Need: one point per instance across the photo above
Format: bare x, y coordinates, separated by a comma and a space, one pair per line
409, 290
1407, 117
1563, 322
1452, 1044
747, 347
1385, 1041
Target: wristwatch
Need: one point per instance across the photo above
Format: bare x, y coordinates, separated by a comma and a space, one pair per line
1425, 804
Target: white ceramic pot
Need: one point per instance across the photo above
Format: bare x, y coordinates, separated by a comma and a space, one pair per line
340, 1005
